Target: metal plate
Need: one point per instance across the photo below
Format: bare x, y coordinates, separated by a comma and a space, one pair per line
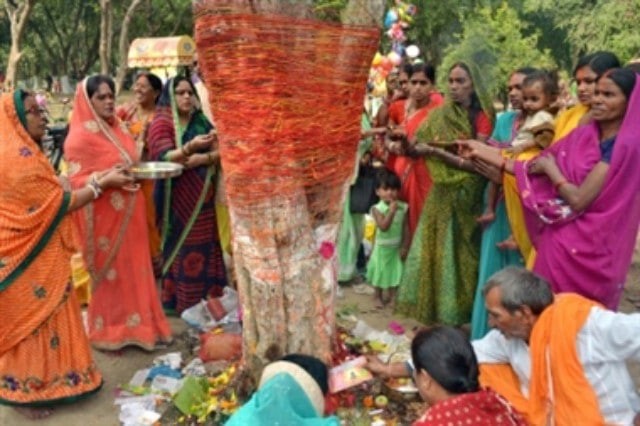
156, 170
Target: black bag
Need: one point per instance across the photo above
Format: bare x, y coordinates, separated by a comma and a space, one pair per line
362, 194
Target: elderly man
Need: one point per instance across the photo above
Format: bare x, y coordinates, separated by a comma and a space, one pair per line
559, 360
568, 353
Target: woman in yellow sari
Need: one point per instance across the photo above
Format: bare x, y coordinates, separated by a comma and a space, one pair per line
45, 357
586, 72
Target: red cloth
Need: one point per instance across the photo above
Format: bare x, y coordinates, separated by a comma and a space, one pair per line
482, 408
413, 172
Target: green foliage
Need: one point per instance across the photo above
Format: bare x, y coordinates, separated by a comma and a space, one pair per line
494, 40
592, 25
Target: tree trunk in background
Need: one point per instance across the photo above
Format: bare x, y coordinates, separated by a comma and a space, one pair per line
18, 13
106, 33
123, 44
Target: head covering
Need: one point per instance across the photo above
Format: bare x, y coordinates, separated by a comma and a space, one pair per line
33, 214
19, 105
286, 395
587, 252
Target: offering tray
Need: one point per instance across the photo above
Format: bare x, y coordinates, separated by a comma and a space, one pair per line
156, 170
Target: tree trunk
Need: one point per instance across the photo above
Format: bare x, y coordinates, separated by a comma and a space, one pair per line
105, 35
123, 44
18, 13
283, 246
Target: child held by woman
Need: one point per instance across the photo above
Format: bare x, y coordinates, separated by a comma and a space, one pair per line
390, 246
539, 94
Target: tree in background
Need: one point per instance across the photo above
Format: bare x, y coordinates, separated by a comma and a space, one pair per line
18, 13
495, 39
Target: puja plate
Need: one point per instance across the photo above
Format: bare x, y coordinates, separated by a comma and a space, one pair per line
156, 170
401, 392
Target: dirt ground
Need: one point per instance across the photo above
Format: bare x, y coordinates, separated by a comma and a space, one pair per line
99, 410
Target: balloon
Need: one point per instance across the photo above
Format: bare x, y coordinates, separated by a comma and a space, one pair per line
390, 18
412, 51
377, 59
394, 58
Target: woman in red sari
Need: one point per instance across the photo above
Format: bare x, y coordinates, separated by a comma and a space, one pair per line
125, 307
446, 374
405, 116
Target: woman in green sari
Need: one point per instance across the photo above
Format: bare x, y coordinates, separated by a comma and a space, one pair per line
441, 270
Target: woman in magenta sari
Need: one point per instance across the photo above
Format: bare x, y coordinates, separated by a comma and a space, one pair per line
193, 266
408, 115
581, 194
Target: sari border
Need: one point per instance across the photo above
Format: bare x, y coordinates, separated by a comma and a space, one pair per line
44, 240
57, 401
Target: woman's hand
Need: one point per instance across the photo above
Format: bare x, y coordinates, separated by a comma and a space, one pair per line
201, 142
542, 164
375, 366
116, 177
488, 170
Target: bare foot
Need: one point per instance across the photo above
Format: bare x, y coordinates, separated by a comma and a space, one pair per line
34, 413
487, 217
508, 244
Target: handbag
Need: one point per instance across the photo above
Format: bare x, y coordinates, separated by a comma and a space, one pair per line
362, 194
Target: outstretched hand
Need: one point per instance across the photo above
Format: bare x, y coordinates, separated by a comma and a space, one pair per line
116, 177
542, 164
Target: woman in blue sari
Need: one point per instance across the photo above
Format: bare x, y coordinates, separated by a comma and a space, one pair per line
193, 264
493, 258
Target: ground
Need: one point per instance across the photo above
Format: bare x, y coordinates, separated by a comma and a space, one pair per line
100, 411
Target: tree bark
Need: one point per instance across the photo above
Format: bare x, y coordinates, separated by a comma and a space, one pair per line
106, 33
18, 13
123, 43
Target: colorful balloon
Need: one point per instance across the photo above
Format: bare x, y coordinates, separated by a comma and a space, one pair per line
412, 51
394, 58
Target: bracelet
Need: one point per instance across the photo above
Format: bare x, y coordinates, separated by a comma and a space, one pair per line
559, 184
94, 186
503, 166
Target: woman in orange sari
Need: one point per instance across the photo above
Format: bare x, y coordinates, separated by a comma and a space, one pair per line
125, 306
137, 116
407, 115
45, 358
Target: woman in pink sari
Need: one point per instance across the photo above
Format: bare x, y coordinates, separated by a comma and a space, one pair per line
125, 306
407, 115
581, 195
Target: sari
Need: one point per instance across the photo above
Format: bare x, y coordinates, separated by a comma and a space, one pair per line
413, 172
588, 252
193, 264
441, 270
138, 127
125, 307
492, 258
482, 408
569, 120
45, 357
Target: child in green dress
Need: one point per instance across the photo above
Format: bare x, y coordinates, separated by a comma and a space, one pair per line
390, 246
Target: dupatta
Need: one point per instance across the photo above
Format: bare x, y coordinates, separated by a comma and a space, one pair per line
592, 248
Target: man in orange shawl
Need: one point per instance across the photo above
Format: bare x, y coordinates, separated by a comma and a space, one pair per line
45, 357
562, 361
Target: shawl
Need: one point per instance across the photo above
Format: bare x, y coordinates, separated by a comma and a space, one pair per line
559, 392
287, 395
587, 252
33, 227
482, 408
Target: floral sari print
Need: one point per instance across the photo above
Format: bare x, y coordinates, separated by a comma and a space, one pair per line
40, 315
